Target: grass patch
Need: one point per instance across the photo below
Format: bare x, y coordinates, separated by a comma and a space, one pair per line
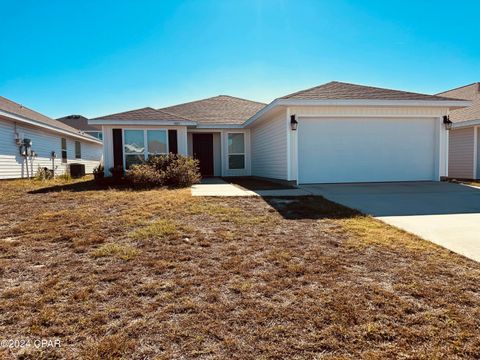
300, 278
156, 230
121, 251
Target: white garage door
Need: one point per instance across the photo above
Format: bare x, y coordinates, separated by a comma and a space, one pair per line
365, 150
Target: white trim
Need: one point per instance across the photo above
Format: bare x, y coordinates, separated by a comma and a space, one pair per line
367, 102
46, 126
145, 143
142, 122
220, 126
464, 124
339, 102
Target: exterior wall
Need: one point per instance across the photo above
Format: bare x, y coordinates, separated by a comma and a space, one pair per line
269, 147
13, 165
108, 140
461, 153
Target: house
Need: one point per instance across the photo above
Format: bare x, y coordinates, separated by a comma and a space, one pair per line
29, 140
333, 133
80, 122
464, 138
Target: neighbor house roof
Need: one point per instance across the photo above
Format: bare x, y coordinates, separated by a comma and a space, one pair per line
470, 92
146, 113
79, 122
35, 118
222, 109
336, 90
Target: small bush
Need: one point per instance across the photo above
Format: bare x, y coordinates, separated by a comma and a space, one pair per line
43, 174
170, 170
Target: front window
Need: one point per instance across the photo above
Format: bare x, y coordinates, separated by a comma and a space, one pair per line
78, 150
64, 150
134, 145
236, 151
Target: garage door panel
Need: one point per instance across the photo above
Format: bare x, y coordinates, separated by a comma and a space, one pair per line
365, 150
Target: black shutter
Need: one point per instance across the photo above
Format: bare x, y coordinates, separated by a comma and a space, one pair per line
117, 148
172, 141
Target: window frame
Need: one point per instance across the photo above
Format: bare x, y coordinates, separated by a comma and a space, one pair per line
64, 151
78, 155
244, 153
145, 143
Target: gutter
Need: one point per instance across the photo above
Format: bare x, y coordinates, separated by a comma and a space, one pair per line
465, 124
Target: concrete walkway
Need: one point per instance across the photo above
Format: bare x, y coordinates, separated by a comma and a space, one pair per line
446, 214
219, 187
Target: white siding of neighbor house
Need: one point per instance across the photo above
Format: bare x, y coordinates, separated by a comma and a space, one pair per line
269, 147
13, 165
461, 153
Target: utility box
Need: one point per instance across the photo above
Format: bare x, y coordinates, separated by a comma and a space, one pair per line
77, 170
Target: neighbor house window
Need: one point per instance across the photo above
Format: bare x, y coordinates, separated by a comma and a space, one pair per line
134, 145
95, 134
236, 151
78, 150
64, 150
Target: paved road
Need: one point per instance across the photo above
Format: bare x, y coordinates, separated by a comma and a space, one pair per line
444, 213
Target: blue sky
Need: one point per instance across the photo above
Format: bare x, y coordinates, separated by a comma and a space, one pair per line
99, 57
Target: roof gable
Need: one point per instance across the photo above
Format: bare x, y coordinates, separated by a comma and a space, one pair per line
345, 91
222, 109
469, 92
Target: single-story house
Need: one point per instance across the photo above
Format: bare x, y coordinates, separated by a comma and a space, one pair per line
333, 133
29, 140
464, 148
80, 122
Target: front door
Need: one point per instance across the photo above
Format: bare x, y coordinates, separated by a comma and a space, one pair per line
203, 152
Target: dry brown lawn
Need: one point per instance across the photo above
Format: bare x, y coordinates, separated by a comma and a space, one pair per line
115, 273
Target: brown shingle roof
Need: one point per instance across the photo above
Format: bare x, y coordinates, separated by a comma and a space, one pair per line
344, 91
222, 109
146, 113
20, 110
79, 122
468, 92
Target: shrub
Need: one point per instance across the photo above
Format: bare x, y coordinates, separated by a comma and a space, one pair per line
98, 172
44, 173
170, 170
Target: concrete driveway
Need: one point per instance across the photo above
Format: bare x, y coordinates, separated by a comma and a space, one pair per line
444, 213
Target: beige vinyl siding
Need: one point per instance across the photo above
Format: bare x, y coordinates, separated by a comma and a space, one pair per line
478, 152
269, 147
13, 165
461, 153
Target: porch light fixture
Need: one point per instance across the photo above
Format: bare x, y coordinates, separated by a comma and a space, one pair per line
447, 122
293, 122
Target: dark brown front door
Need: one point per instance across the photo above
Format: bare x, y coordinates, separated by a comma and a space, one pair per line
203, 151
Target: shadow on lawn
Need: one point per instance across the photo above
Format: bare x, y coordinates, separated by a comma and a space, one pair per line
89, 185
310, 207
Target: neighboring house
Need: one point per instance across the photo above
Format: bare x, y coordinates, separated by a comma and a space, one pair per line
29, 140
332, 133
80, 122
464, 138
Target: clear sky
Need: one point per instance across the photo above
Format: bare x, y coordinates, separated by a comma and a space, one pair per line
99, 57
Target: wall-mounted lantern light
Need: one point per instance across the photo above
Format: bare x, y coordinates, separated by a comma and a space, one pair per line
447, 122
293, 122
